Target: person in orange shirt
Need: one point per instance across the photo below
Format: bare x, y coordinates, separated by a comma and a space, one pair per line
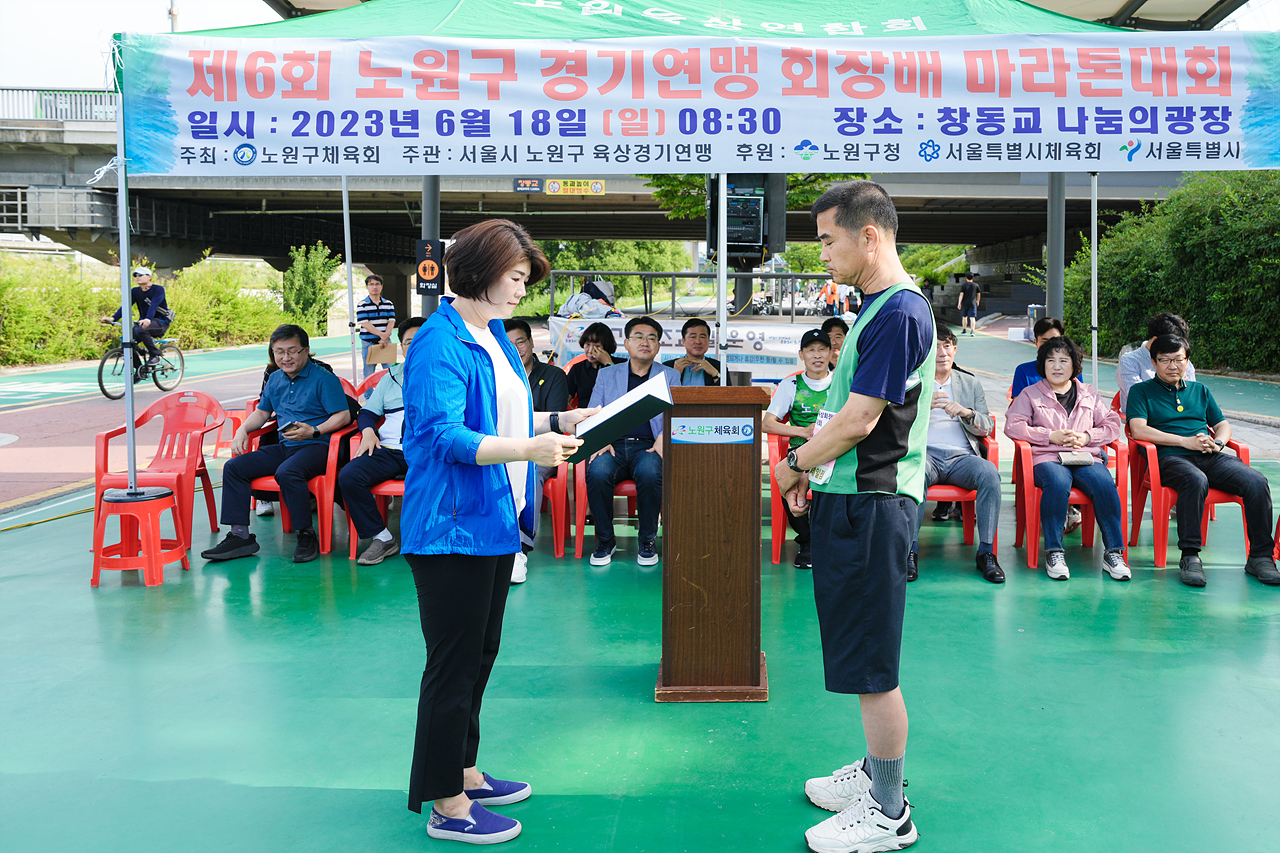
829, 294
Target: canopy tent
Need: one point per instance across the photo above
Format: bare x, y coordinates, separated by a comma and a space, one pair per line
506, 87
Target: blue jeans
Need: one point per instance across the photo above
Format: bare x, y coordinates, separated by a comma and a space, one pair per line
1056, 480
967, 471
631, 461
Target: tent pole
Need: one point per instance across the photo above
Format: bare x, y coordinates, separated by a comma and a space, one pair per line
351, 299
1093, 258
1056, 242
126, 308
722, 276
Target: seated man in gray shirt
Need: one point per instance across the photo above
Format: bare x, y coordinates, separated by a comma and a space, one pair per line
958, 420
1136, 366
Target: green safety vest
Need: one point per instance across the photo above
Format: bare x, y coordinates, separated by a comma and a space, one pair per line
890, 460
805, 407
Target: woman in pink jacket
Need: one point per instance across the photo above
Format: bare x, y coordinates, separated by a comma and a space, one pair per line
1059, 414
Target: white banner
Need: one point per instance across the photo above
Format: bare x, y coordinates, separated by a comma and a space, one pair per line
207, 106
768, 351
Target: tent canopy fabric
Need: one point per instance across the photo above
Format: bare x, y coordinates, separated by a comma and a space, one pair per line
603, 19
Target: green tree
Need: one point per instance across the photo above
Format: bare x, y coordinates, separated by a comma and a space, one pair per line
804, 257
305, 291
933, 262
685, 196
641, 255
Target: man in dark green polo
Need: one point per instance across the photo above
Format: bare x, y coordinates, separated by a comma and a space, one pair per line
1184, 422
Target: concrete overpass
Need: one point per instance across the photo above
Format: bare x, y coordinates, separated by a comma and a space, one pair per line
51, 143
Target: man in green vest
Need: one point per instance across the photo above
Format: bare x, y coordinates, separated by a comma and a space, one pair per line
866, 467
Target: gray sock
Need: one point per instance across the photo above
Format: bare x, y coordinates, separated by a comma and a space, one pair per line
886, 783
241, 530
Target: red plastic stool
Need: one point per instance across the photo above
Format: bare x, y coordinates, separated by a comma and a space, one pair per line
140, 545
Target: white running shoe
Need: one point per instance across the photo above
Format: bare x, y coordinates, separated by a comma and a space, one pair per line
841, 789
520, 571
1116, 566
1055, 563
264, 509
863, 828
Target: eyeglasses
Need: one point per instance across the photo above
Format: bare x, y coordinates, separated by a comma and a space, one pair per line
288, 353
522, 342
1171, 362
141, 274
643, 339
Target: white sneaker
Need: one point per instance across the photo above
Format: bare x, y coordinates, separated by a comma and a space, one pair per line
1115, 565
841, 789
1055, 563
264, 509
520, 571
863, 828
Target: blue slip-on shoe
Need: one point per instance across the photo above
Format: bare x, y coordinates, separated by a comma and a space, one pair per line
496, 792
481, 826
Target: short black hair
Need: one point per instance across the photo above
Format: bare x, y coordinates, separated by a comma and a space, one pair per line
515, 323
1167, 324
600, 334
289, 331
641, 321
693, 323
945, 333
858, 204
968, 276
1165, 344
408, 324
1061, 344
832, 322
1044, 324
369, 279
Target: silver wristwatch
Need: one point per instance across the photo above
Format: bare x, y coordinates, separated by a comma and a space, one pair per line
792, 463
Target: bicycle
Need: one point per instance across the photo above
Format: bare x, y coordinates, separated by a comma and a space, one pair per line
166, 374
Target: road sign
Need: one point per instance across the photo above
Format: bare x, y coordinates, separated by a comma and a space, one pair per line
430, 272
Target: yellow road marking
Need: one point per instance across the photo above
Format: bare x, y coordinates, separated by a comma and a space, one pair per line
47, 493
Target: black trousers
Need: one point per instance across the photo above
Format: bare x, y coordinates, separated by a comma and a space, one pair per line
291, 464
144, 337
1192, 477
800, 524
461, 600
358, 476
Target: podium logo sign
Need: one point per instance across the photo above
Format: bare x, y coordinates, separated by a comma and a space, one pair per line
712, 430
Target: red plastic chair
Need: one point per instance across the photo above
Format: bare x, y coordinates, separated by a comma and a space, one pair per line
1144, 474
368, 384
1028, 499
624, 488
555, 496
967, 498
235, 417
381, 492
778, 446
323, 486
188, 416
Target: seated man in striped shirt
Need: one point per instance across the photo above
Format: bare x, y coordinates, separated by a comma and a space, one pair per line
379, 457
376, 318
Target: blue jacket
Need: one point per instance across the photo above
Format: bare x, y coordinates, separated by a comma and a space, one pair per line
451, 504
611, 383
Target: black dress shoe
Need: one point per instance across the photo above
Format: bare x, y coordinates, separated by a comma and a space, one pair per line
990, 567
913, 571
1192, 570
1264, 569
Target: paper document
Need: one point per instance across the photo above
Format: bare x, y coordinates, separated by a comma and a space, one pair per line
624, 414
822, 473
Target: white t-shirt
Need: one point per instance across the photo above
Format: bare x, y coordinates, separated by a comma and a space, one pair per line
944, 430
513, 407
785, 395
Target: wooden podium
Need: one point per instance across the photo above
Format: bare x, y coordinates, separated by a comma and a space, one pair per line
711, 547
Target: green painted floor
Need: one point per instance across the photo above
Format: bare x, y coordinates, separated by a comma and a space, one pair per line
264, 706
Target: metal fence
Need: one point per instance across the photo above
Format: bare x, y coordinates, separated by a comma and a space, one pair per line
783, 289
57, 105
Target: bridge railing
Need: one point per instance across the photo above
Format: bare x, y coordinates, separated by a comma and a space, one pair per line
57, 104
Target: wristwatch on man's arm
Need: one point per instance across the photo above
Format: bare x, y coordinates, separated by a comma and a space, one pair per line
793, 463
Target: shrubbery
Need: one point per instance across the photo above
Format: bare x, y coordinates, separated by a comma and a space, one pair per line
1209, 252
48, 315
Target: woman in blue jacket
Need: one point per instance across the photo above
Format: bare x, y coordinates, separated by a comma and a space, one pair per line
471, 439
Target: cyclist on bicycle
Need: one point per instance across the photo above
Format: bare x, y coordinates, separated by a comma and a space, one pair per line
154, 315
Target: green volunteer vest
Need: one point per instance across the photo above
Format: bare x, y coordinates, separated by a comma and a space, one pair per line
805, 407
891, 459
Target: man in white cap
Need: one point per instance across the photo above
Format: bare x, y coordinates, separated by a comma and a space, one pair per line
154, 315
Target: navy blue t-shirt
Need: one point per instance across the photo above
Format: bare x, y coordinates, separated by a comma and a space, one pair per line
894, 343
644, 431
